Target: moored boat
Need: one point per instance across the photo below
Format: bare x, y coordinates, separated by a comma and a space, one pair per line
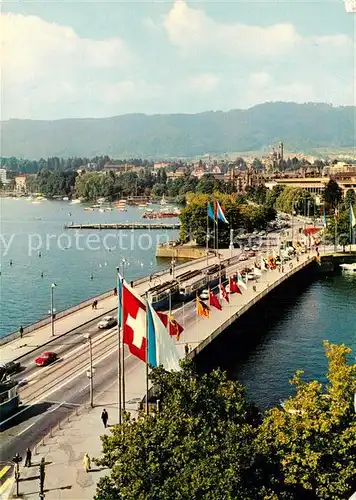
349, 267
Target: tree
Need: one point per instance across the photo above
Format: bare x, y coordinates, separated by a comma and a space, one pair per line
308, 448
332, 194
350, 197
199, 444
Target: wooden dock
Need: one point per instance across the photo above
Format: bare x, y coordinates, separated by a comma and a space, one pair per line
124, 225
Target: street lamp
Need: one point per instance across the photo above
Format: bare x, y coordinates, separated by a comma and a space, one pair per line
90, 370
53, 285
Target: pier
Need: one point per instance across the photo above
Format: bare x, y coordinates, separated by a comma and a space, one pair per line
124, 225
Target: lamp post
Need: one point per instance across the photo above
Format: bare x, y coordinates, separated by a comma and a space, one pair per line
91, 370
53, 285
120, 344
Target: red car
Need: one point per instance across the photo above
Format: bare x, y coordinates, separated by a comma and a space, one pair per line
46, 358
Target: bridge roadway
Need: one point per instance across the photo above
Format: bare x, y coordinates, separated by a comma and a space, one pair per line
49, 393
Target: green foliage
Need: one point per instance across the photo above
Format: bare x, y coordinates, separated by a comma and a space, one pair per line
343, 226
194, 217
52, 183
295, 200
332, 195
308, 448
207, 442
199, 445
350, 197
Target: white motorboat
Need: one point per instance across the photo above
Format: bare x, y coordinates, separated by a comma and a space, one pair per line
351, 268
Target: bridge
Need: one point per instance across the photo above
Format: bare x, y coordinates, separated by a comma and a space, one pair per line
63, 386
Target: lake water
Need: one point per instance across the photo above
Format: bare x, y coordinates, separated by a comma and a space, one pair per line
37, 243
267, 347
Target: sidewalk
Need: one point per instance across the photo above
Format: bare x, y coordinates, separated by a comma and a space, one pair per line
39, 337
64, 453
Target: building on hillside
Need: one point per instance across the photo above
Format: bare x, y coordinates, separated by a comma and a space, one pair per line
340, 167
161, 164
179, 173
3, 176
21, 183
314, 185
120, 169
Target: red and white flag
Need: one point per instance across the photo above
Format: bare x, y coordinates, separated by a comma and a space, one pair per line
214, 301
175, 329
223, 293
134, 322
233, 286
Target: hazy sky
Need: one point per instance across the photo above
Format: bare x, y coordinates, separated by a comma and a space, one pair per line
92, 59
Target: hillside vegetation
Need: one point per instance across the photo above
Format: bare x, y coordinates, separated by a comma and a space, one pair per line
302, 127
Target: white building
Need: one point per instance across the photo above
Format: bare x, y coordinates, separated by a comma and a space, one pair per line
3, 176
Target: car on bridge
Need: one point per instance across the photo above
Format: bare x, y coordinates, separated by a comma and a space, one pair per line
46, 358
107, 322
204, 294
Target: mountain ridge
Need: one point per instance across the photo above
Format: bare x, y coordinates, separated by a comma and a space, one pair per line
303, 127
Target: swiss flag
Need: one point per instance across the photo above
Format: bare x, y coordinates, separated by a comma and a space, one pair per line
214, 301
233, 286
223, 292
134, 322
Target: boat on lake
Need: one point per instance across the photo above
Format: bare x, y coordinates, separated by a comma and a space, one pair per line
350, 268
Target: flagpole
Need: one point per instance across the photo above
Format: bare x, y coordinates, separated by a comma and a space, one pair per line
207, 234
147, 407
120, 320
122, 339
350, 222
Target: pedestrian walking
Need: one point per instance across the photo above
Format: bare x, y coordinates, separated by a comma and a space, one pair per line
115, 291
28, 458
21, 331
186, 348
95, 304
105, 417
86, 462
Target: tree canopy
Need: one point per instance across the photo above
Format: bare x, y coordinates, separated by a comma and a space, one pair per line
207, 442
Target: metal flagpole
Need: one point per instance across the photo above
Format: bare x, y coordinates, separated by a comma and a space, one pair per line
351, 232
122, 337
336, 213
207, 234
147, 407
119, 313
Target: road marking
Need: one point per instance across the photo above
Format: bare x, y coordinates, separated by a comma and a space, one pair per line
4, 470
54, 390
6, 486
29, 380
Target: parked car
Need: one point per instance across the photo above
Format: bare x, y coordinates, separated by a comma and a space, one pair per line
255, 248
251, 254
46, 358
204, 295
107, 322
247, 249
9, 368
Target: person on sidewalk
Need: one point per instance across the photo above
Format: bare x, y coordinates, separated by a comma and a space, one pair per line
105, 417
28, 458
186, 349
21, 331
115, 292
86, 462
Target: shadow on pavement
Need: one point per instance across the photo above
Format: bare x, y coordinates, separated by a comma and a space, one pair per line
24, 413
